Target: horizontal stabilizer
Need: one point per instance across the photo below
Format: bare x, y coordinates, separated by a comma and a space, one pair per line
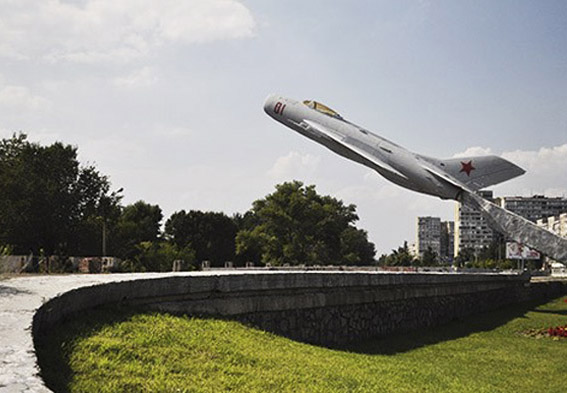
478, 172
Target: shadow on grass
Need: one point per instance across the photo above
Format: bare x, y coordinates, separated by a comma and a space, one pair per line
556, 312
55, 348
458, 328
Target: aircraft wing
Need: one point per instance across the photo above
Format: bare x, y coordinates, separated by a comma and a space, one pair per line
477, 172
362, 150
444, 177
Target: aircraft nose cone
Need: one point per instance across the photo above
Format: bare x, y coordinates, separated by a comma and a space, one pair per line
269, 104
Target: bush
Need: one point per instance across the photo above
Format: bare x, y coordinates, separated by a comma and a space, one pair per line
159, 257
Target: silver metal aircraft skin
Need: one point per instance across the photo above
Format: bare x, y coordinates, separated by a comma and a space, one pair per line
455, 178
445, 178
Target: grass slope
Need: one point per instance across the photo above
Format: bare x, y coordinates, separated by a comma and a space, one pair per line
106, 351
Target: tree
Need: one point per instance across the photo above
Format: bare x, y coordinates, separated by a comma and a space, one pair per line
47, 200
355, 247
210, 234
429, 258
465, 255
399, 257
158, 256
295, 225
495, 250
137, 223
244, 221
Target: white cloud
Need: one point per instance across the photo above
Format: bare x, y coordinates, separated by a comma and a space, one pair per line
474, 151
294, 165
144, 77
97, 31
546, 171
542, 161
20, 97
205, 20
373, 189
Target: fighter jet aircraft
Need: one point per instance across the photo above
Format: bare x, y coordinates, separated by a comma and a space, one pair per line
445, 178
453, 178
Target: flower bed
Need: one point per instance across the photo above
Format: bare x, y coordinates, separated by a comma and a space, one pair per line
554, 332
558, 331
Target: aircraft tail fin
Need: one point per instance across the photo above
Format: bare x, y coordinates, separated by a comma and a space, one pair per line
478, 172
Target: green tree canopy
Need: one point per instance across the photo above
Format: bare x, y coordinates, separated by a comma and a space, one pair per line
158, 256
48, 201
295, 225
210, 234
400, 257
429, 258
137, 223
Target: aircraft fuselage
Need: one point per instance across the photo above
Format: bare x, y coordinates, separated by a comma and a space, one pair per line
395, 163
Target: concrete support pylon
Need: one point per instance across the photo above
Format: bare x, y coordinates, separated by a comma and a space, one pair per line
518, 228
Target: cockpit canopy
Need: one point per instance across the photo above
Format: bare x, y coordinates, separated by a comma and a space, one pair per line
322, 108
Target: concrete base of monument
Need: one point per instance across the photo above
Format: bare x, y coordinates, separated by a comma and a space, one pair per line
325, 308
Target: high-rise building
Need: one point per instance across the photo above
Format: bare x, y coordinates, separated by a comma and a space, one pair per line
535, 207
412, 248
437, 235
471, 228
555, 224
428, 235
447, 241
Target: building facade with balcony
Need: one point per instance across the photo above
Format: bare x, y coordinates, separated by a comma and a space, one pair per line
535, 207
428, 235
472, 230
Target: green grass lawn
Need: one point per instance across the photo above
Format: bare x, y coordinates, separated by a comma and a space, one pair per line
106, 351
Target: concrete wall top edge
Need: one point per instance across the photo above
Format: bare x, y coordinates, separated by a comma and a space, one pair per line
226, 282
258, 281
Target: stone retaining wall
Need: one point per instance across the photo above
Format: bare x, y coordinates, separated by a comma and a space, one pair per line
326, 308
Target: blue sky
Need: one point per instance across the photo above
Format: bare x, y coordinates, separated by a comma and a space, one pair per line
165, 97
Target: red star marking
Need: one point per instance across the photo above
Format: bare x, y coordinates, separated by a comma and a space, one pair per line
467, 167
